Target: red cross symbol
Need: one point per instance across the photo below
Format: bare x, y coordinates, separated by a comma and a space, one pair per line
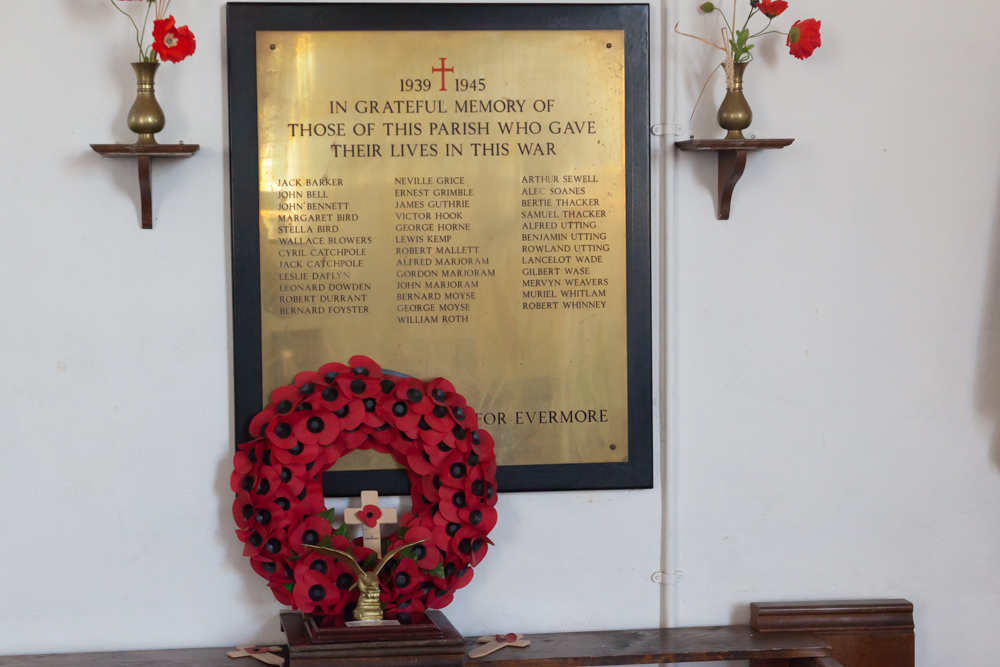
442, 69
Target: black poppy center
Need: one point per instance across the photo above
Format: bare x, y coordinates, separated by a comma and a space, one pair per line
458, 500
317, 593
297, 449
457, 470
273, 546
310, 537
475, 517
402, 580
286, 474
269, 567
414, 394
438, 395
419, 552
330, 394
263, 487
314, 425
255, 539
247, 511
452, 528
399, 409
282, 430
440, 411
284, 406
361, 370
263, 517
319, 566
358, 386
307, 389
282, 503
478, 487
386, 386
459, 414
330, 377
344, 581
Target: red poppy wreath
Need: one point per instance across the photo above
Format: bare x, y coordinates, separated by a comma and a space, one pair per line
427, 427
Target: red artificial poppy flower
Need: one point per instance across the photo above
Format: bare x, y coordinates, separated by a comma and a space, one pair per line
259, 423
441, 391
415, 393
426, 555
299, 454
281, 594
243, 509
315, 593
406, 611
316, 562
171, 43
439, 598
406, 578
315, 427
803, 38
772, 8
310, 531
272, 570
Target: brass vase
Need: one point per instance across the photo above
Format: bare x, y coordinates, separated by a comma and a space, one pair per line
734, 112
145, 118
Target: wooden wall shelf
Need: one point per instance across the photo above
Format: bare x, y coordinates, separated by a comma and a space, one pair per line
732, 161
145, 154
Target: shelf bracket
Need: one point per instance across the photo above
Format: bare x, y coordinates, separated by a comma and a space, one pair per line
732, 162
145, 154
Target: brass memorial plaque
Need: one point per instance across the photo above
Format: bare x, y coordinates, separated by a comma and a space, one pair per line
453, 203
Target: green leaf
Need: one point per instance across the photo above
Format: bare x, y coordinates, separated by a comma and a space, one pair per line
325, 542
294, 557
288, 587
401, 531
437, 573
750, 46
370, 562
329, 515
341, 531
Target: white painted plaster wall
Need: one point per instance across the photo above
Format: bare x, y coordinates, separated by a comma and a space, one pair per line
837, 366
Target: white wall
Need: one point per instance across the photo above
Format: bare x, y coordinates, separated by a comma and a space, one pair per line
837, 352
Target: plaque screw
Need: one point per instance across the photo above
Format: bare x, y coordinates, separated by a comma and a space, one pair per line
273, 47
614, 447
608, 45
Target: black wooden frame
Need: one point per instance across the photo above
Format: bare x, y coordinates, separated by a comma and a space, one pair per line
244, 19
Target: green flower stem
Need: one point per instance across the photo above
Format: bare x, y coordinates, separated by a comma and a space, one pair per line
138, 39
723, 14
145, 22
762, 32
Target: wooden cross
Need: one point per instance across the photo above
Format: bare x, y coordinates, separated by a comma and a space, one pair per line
263, 653
498, 642
370, 516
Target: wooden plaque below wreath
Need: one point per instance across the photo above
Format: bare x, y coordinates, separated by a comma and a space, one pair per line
435, 643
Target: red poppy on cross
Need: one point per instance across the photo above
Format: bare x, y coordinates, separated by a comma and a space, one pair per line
370, 516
